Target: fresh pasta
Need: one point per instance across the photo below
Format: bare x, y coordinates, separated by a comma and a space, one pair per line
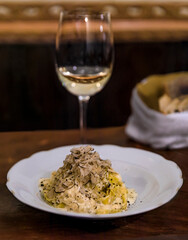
86, 184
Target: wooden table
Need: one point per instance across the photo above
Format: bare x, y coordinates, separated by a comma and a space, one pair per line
18, 221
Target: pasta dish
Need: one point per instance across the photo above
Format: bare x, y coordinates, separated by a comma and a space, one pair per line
87, 184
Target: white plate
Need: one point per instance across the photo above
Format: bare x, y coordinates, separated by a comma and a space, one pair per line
155, 179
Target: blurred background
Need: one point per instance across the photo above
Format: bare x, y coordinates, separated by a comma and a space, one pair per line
151, 37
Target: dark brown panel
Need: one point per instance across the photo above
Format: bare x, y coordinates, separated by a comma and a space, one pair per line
33, 98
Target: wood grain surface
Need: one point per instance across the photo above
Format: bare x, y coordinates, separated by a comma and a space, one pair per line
36, 21
19, 221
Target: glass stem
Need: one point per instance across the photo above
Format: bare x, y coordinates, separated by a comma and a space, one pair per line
83, 102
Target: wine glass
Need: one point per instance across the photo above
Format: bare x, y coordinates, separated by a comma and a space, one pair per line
84, 55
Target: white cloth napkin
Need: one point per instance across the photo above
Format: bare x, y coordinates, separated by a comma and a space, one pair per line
158, 130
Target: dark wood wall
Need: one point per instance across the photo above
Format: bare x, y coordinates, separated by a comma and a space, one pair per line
31, 97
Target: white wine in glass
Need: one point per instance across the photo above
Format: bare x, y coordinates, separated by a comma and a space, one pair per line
84, 55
